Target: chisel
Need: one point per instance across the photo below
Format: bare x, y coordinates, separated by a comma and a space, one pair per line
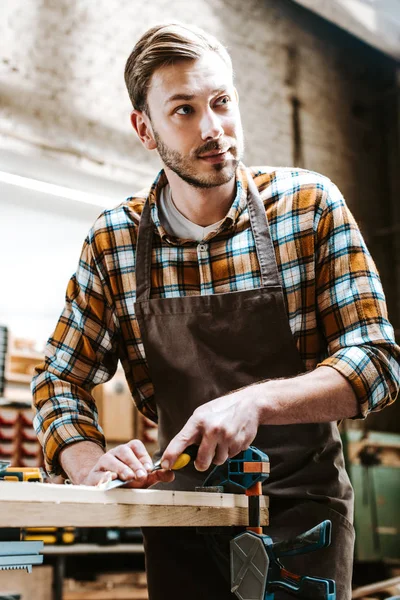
183, 459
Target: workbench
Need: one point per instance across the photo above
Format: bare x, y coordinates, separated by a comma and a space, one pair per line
28, 504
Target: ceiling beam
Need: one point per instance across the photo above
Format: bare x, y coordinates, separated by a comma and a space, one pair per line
377, 24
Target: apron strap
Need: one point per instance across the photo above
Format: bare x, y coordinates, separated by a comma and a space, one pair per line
262, 238
143, 254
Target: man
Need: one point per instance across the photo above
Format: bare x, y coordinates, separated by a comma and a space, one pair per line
232, 328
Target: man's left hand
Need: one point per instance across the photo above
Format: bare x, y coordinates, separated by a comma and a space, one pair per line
221, 428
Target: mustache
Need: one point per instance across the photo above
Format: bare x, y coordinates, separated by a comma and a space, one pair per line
213, 145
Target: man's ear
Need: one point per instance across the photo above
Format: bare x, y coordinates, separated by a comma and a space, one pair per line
141, 124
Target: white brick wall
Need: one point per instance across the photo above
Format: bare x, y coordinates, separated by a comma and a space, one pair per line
62, 82
62, 89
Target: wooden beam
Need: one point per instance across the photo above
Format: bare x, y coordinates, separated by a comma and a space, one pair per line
28, 504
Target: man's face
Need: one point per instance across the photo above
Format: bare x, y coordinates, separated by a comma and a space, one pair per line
195, 120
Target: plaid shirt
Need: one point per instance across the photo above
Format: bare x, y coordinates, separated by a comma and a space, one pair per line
334, 299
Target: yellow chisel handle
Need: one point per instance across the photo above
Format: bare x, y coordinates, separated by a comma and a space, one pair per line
184, 459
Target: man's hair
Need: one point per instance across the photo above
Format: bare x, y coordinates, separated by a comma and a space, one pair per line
165, 45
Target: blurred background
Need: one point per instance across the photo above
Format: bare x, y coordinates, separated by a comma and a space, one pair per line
319, 88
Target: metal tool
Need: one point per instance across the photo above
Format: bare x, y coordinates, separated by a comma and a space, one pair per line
256, 570
20, 555
184, 459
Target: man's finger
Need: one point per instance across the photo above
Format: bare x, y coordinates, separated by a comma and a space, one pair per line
127, 456
138, 484
164, 476
187, 436
221, 455
97, 478
142, 454
152, 478
205, 454
108, 462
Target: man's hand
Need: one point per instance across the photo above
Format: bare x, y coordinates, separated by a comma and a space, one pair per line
127, 461
226, 426
222, 428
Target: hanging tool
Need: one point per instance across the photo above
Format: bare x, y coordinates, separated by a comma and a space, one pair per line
50, 535
183, 459
256, 570
9, 473
20, 555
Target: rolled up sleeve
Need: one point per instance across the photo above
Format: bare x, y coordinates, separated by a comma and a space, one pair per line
352, 309
81, 353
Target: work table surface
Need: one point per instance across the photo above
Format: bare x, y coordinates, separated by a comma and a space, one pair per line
28, 504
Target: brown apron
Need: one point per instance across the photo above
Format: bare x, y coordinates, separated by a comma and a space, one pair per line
199, 348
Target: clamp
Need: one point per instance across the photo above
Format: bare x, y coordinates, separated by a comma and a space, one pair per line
256, 569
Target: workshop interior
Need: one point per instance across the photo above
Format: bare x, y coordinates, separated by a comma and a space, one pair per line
319, 89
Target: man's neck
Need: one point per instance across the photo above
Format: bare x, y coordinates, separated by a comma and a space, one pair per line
203, 206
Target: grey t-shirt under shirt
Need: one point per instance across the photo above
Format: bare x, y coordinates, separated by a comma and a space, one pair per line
176, 224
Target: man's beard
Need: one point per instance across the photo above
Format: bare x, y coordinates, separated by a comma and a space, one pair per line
185, 166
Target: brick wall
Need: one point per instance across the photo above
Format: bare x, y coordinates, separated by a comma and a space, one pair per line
311, 94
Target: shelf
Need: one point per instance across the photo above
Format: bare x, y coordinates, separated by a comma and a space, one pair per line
26, 355
18, 378
94, 549
16, 403
122, 593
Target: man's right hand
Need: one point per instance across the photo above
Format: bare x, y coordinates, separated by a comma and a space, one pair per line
87, 464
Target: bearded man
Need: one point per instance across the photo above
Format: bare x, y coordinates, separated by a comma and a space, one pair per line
245, 309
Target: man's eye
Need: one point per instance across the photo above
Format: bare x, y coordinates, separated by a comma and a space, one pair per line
184, 110
223, 101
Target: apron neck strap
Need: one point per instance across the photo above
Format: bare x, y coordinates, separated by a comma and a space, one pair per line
143, 254
262, 238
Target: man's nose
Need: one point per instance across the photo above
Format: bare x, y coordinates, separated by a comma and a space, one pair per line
210, 125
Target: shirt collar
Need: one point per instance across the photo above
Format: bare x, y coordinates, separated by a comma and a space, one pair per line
238, 205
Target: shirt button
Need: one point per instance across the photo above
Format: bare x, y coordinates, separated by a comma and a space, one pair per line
203, 247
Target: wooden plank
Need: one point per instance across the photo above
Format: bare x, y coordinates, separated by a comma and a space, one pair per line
108, 586
43, 504
388, 451
114, 594
14, 377
375, 587
32, 586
